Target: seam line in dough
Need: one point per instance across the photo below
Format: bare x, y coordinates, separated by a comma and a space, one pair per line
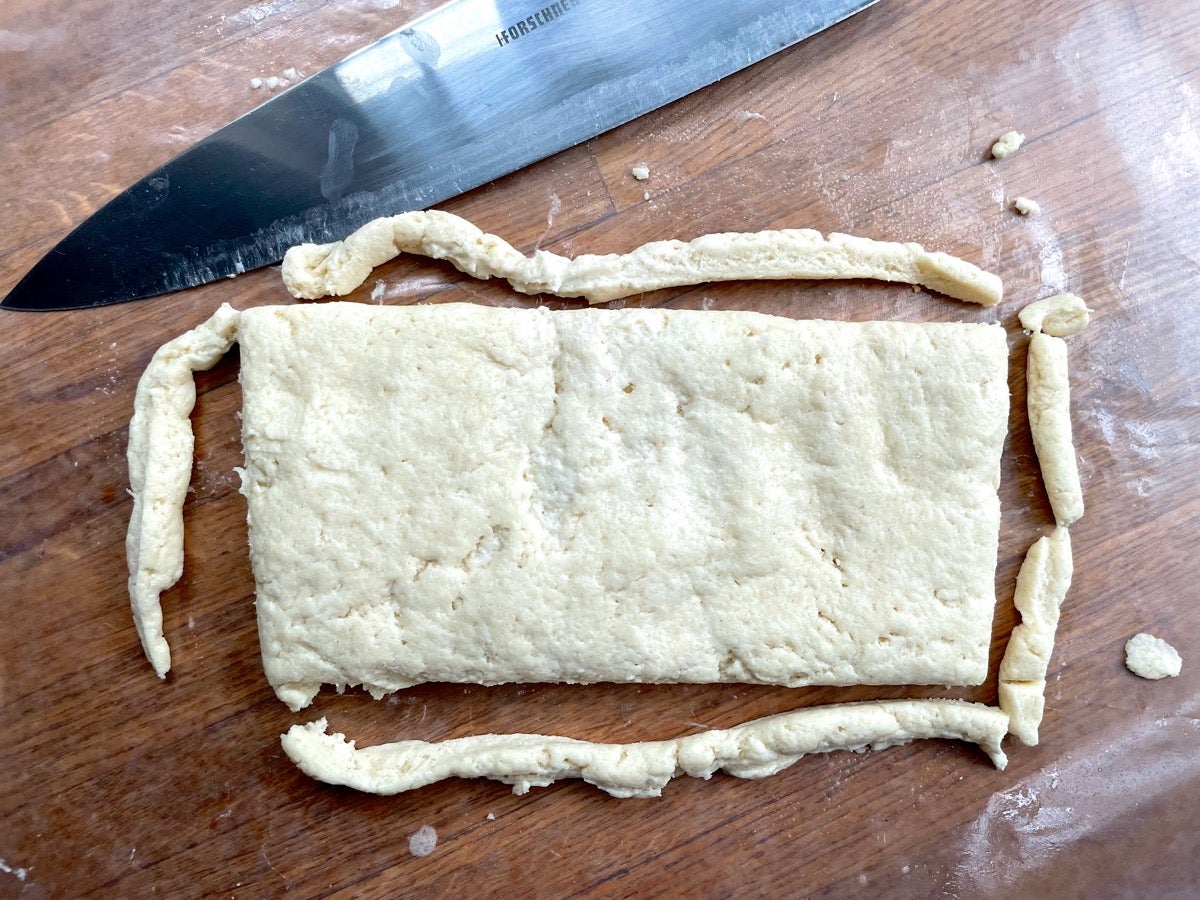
312, 271
753, 749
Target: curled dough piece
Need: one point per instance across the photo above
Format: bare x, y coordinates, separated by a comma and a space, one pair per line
751, 750
1042, 586
321, 270
1049, 400
160, 465
1058, 316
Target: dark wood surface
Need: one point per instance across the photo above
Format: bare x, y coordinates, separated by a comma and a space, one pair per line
113, 783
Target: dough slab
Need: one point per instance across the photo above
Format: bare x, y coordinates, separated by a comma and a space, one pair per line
471, 494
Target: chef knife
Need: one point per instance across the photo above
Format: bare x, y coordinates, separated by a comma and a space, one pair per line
472, 91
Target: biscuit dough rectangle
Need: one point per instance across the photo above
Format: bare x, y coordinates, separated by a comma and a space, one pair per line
470, 494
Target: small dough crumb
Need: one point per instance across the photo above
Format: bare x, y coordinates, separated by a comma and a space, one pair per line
287, 77
1057, 316
1008, 144
423, 841
645, 195
641, 171
747, 114
1149, 657
491, 817
1027, 207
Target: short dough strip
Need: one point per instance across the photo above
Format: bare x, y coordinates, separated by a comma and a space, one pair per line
751, 750
1042, 586
312, 271
160, 466
1049, 400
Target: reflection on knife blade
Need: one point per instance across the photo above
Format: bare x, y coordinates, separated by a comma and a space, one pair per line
466, 94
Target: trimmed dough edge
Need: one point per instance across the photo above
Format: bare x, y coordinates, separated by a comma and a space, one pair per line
1049, 404
312, 271
1042, 585
160, 466
753, 749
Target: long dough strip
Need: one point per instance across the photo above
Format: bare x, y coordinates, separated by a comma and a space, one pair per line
1042, 586
160, 465
751, 750
312, 271
1049, 400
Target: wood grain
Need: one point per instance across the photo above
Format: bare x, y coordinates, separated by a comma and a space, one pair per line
113, 783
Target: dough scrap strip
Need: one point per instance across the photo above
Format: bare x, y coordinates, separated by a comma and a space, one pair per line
754, 749
1042, 585
160, 466
313, 271
1049, 402
1045, 574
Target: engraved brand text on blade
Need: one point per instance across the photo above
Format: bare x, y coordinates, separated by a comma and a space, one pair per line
543, 16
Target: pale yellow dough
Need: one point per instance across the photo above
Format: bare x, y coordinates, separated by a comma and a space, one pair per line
474, 494
322, 270
1049, 403
1027, 207
464, 493
1059, 316
1042, 585
469, 494
1007, 144
752, 750
160, 464
1150, 657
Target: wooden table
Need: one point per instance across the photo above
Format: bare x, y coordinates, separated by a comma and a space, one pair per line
114, 783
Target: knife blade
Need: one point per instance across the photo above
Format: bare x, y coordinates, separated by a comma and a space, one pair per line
472, 91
